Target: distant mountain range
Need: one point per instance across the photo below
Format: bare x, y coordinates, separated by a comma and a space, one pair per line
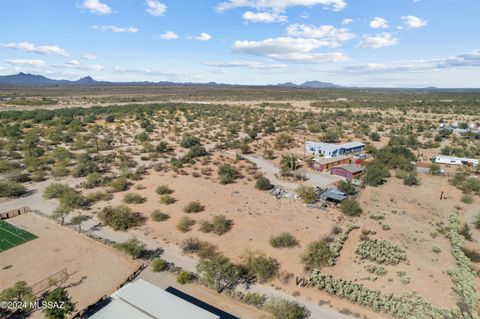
26, 79
33, 79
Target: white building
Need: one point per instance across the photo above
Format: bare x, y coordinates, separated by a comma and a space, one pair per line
451, 160
142, 300
332, 150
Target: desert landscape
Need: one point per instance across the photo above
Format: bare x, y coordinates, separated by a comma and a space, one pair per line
188, 184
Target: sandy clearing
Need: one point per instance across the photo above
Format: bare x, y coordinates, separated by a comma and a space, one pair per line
96, 270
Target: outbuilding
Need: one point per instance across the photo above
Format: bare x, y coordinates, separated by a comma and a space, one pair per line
333, 150
451, 160
142, 300
334, 195
349, 171
324, 164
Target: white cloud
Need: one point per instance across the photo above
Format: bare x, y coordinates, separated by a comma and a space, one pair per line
168, 75
168, 35
414, 22
95, 6
89, 57
326, 32
31, 48
377, 41
265, 17
27, 62
246, 64
115, 29
73, 63
379, 23
347, 21
203, 37
289, 49
156, 8
279, 5
470, 59
93, 67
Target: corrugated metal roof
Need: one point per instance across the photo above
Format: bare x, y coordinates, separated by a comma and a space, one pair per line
335, 195
329, 160
352, 168
333, 147
143, 300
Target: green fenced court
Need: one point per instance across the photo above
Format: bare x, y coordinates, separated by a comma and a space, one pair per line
12, 236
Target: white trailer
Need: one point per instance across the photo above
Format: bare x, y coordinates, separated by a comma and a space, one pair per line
451, 160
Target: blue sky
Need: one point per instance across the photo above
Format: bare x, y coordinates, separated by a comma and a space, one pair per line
387, 43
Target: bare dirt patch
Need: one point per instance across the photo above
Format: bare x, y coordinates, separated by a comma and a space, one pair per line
96, 270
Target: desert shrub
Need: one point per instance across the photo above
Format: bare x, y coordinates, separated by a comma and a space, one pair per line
208, 250
189, 140
193, 207
185, 224
317, 254
98, 196
20, 292
185, 277
133, 198
203, 249
285, 309
351, 207
72, 199
196, 151
307, 193
219, 273
132, 247
381, 251
158, 216
284, 140
374, 136
163, 190
8, 166
167, 199
347, 187
94, 180
377, 270
403, 276
254, 299
467, 199
396, 156
410, 179
262, 267
227, 174
159, 265
375, 174
331, 136
58, 296
119, 184
263, 184
120, 217
191, 245
219, 225
467, 184
19, 177
110, 118
11, 189
477, 221
465, 232
284, 239
55, 190
205, 226
435, 169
